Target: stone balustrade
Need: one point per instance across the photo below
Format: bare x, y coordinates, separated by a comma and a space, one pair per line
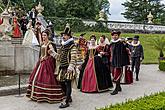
114, 25
15, 58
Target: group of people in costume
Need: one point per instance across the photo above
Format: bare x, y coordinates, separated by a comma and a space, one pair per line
28, 27
44, 84
94, 65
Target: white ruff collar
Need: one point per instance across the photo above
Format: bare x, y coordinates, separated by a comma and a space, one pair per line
114, 41
129, 43
92, 47
66, 42
104, 43
135, 44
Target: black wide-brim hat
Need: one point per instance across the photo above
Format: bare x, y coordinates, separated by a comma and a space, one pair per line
129, 38
116, 32
136, 37
67, 31
82, 34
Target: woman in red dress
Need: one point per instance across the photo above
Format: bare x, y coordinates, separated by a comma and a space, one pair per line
16, 29
43, 85
94, 76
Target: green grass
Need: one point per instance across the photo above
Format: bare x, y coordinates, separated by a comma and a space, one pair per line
150, 53
152, 102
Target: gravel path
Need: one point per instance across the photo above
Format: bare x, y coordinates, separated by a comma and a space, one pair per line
151, 81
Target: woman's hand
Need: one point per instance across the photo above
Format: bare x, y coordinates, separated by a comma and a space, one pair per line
42, 59
50, 51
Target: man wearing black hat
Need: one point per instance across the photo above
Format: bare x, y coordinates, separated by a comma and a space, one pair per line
129, 42
67, 62
137, 55
33, 15
23, 23
119, 58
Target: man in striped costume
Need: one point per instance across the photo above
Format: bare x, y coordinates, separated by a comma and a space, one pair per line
67, 61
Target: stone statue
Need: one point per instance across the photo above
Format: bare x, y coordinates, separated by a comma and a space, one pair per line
5, 26
150, 17
101, 16
39, 9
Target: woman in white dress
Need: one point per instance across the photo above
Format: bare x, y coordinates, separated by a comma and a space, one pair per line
30, 37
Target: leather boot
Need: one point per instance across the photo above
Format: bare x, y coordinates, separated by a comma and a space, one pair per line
116, 90
64, 105
70, 99
137, 78
119, 89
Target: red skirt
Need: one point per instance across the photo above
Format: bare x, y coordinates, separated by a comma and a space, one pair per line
89, 81
16, 32
43, 85
127, 76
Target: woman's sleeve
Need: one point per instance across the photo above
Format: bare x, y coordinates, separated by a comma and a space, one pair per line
53, 53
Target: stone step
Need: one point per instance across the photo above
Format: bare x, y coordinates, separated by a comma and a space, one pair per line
16, 40
12, 90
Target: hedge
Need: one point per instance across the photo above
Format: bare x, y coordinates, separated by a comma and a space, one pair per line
152, 102
76, 24
162, 65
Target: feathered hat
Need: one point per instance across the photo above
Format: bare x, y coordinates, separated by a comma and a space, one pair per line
67, 30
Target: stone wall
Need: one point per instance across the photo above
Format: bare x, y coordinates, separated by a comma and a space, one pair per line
15, 58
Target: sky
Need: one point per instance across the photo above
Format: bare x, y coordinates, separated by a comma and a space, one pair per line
116, 9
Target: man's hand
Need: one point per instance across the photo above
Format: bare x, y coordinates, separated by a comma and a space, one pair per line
69, 71
80, 67
102, 53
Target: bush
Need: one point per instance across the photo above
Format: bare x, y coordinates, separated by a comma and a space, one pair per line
153, 102
162, 65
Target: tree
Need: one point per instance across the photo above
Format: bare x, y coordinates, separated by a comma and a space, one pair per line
137, 10
85, 9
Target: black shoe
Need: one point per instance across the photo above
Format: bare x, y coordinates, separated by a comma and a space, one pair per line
114, 92
64, 105
70, 100
119, 89
137, 79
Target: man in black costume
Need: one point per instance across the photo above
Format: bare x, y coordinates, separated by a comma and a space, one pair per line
119, 58
137, 55
33, 16
67, 66
23, 23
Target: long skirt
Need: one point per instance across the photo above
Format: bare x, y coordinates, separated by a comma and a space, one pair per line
127, 76
43, 85
94, 76
16, 32
30, 38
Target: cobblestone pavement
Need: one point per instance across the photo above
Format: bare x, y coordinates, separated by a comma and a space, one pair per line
151, 81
